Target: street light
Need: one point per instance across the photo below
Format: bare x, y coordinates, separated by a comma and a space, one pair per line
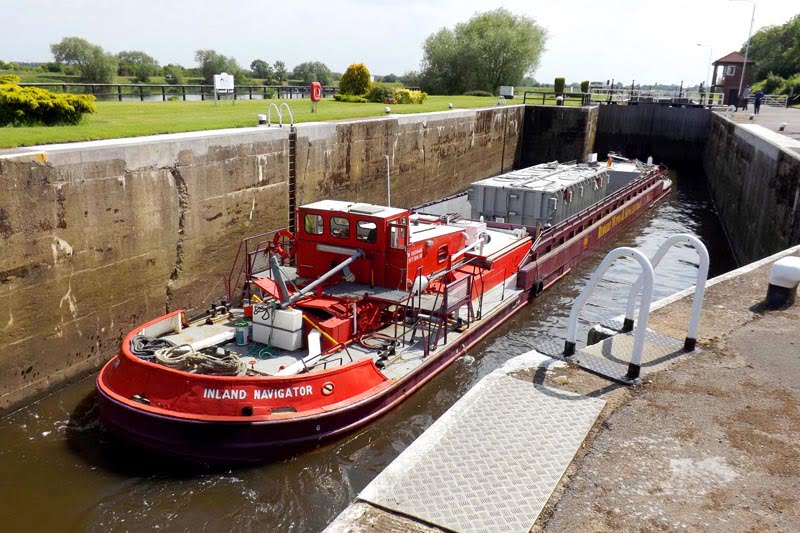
708, 68
747, 49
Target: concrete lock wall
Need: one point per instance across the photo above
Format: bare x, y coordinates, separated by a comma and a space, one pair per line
676, 135
558, 133
101, 236
754, 177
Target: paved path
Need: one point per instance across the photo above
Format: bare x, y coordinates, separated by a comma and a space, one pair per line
772, 118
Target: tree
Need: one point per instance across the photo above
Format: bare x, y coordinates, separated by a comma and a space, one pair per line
212, 63
175, 74
355, 80
776, 49
137, 64
492, 49
313, 71
92, 62
389, 78
280, 71
261, 69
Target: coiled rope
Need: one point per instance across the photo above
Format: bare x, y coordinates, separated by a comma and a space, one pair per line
185, 358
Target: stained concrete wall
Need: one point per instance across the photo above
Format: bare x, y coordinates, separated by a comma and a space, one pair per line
754, 177
101, 236
675, 135
558, 133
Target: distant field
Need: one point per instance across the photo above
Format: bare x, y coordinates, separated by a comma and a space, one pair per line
132, 119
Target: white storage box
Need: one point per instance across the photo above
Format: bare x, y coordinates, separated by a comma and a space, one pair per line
281, 328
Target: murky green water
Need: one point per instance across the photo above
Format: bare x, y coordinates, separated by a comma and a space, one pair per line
62, 472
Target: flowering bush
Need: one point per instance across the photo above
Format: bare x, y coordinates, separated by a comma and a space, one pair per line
407, 96
27, 106
355, 80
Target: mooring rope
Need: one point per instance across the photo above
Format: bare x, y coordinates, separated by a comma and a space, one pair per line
185, 358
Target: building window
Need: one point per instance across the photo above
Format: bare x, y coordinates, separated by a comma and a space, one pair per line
730, 70
340, 227
313, 224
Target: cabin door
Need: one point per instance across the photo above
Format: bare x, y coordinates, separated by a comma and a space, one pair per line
397, 256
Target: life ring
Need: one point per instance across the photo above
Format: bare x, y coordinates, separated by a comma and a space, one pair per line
279, 240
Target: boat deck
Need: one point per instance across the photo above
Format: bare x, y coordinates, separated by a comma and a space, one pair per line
411, 338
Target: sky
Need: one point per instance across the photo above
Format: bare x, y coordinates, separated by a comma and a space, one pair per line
627, 40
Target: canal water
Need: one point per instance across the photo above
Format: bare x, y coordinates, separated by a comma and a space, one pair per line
62, 472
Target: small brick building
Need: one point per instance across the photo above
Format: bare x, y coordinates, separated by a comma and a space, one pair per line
731, 73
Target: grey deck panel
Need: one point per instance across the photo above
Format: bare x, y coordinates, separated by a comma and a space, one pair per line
492, 461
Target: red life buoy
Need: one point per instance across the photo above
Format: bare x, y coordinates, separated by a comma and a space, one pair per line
316, 91
567, 195
281, 238
599, 180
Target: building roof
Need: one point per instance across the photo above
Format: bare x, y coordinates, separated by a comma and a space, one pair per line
733, 57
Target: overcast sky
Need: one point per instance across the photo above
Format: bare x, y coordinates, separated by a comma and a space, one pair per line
645, 40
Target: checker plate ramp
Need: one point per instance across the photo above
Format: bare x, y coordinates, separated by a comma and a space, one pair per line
492, 461
611, 356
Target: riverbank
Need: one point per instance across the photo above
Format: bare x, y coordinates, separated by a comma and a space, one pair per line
707, 444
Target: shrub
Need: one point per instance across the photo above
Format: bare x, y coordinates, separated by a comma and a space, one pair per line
407, 96
355, 79
478, 93
585, 86
352, 98
27, 106
772, 83
380, 92
9, 78
792, 85
558, 86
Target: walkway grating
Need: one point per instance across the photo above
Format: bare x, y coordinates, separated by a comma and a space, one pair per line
610, 357
492, 462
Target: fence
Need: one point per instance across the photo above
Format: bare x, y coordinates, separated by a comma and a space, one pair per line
146, 92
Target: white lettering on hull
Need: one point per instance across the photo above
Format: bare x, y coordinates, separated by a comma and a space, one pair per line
258, 394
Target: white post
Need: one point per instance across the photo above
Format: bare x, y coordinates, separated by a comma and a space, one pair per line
388, 184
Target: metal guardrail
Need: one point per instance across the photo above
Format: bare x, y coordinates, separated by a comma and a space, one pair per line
575, 98
164, 92
616, 96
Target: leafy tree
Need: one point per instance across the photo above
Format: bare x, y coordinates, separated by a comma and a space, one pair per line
355, 80
776, 49
280, 71
92, 62
261, 69
313, 71
137, 64
389, 78
175, 74
492, 49
212, 63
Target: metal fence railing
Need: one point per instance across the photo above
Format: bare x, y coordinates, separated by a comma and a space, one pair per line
146, 92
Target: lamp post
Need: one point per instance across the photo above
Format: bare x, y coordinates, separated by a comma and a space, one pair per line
747, 49
708, 68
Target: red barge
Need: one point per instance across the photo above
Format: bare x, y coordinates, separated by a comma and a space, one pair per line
323, 331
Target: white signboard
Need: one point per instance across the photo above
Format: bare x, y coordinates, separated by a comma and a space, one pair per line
223, 83
507, 91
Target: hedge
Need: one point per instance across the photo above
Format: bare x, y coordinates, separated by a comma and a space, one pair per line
29, 106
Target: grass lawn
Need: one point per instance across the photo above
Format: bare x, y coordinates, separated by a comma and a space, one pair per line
131, 119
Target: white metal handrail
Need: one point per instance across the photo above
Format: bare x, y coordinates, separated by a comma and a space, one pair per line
269, 115
628, 95
634, 366
690, 341
288, 110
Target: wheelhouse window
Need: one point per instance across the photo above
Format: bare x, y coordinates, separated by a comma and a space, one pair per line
340, 227
441, 255
313, 224
366, 231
